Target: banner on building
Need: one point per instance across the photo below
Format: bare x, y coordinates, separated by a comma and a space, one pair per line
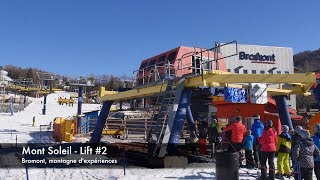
235, 95
258, 93
217, 91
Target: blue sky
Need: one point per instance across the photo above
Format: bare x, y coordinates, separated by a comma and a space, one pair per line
80, 37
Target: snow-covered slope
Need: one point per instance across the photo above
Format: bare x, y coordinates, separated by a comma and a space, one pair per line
20, 124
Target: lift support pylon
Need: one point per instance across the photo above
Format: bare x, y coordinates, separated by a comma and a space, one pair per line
283, 111
96, 135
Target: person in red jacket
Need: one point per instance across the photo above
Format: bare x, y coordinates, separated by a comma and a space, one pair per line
238, 131
268, 141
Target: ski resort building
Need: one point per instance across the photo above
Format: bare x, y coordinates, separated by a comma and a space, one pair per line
255, 59
230, 57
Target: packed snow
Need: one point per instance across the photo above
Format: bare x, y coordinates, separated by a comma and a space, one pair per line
19, 128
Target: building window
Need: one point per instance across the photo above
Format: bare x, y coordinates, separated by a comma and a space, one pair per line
286, 72
278, 72
161, 60
196, 65
172, 56
229, 70
262, 72
152, 62
245, 71
270, 72
236, 71
143, 65
254, 72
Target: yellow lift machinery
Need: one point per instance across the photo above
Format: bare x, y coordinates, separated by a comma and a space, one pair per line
300, 84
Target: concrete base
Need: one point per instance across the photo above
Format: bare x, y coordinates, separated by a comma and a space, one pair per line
175, 161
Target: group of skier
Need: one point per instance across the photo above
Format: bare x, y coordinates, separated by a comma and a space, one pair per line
262, 144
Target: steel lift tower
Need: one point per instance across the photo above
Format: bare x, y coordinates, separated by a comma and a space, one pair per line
24, 82
81, 82
45, 78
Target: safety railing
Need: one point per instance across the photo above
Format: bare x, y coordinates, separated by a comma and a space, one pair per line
202, 59
137, 127
154, 73
195, 62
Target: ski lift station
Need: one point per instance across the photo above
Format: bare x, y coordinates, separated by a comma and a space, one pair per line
176, 89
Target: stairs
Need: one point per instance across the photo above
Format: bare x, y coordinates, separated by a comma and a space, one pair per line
166, 114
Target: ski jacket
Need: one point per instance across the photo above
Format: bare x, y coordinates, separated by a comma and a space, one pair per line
268, 140
248, 142
256, 130
238, 131
284, 143
305, 152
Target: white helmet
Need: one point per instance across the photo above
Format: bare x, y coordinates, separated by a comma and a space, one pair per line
285, 128
297, 129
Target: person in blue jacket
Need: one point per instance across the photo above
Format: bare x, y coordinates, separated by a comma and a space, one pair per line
256, 131
316, 140
248, 147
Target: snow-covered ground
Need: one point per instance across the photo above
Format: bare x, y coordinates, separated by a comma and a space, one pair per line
20, 126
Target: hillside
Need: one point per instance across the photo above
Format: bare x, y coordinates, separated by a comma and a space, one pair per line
111, 82
307, 61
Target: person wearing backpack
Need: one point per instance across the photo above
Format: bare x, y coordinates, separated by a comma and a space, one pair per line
304, 154
283, 151
248, 147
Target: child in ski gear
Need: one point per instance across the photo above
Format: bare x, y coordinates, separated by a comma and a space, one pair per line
304, 153
316, 140
248, 147
268, 142
283, 151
